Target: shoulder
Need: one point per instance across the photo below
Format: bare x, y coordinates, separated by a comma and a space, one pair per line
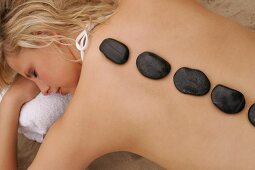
94, 123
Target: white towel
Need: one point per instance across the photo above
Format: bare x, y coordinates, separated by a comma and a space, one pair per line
38, 115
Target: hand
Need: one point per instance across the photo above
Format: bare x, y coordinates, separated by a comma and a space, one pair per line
22, 90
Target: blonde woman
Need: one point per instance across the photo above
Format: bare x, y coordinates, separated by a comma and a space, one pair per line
114, 107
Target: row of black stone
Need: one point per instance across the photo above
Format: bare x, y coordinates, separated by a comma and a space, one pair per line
186, 80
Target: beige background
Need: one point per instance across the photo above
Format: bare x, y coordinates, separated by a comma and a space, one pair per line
243, 11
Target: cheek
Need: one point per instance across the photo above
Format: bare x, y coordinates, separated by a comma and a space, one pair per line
64, 75
70, 77
76, 75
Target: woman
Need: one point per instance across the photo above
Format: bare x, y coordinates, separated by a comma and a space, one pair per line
115, 108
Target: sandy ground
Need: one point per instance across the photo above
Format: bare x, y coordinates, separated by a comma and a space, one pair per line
242, 11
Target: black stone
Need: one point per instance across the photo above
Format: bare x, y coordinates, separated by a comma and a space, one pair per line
191, 81
114, 50
152, 66
251, 114
227, 100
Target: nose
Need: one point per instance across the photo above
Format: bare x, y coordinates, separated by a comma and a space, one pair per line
45, 92
43, 87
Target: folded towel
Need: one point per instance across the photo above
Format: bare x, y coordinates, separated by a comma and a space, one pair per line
39, 114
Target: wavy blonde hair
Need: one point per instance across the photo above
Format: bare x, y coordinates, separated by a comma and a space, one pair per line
21, 20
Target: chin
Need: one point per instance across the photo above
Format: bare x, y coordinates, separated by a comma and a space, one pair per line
71, 91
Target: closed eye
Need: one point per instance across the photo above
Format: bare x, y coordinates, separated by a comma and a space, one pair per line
31, 73
34, 73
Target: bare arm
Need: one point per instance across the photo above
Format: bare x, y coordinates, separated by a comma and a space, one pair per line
9, 114
21, 91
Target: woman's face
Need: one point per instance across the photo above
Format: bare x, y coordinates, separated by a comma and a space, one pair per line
47, 68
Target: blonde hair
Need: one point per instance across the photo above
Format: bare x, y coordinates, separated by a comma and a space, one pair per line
21, 20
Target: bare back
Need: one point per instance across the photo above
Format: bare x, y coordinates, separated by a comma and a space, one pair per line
116, 108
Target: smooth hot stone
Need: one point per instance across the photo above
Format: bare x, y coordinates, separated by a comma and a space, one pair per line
251, 114
191, 81
114, 50
227, 100
152, 66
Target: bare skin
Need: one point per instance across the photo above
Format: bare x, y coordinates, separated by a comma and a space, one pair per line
9, 115
116, 108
